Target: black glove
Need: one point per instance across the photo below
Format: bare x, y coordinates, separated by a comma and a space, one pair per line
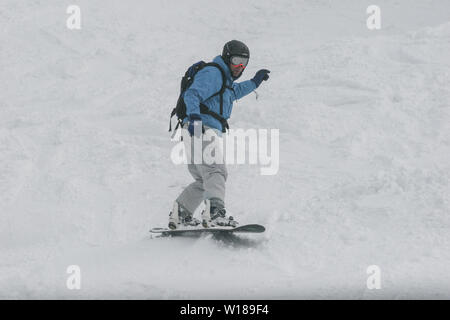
261, 75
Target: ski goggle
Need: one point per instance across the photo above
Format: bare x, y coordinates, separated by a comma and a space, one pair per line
238, 61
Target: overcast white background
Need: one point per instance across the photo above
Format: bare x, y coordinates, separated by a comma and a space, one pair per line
364, 120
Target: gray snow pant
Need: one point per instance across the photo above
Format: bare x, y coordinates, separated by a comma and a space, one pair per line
209, 182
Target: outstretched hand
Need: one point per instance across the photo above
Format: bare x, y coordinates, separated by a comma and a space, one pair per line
260, 76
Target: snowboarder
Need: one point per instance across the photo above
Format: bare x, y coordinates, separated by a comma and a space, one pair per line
208, 110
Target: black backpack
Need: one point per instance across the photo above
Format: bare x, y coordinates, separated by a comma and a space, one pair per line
186, 82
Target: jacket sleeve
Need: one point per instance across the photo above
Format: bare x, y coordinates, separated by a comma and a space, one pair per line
243, 88
207, 82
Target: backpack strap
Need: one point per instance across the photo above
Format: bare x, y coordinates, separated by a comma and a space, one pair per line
205, 110
224, 84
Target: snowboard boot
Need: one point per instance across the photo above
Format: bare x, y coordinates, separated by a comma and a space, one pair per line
180, 216
219, 218
215, 215
174, 218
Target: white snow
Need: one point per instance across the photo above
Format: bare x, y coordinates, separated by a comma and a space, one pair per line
364, 119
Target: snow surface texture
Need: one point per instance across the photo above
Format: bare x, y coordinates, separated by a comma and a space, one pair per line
364, 119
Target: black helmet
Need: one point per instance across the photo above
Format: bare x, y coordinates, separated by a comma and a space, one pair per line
234, 48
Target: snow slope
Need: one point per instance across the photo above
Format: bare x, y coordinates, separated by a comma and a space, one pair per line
364, 119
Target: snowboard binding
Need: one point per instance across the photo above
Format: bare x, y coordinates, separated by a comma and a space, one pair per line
210, 217
181, 217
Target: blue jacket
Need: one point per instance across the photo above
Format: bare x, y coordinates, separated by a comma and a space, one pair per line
207, 82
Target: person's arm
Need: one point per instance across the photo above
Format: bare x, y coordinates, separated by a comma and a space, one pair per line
207, 82
243, 88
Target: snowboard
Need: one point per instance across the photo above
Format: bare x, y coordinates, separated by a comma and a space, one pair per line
192, 231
